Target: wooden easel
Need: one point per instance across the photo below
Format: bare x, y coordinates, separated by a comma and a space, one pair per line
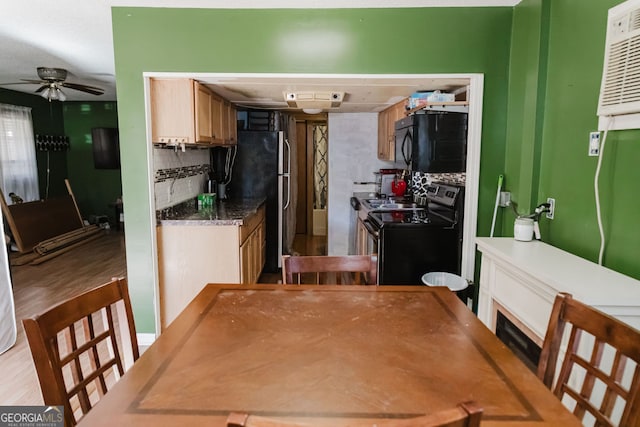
44, 229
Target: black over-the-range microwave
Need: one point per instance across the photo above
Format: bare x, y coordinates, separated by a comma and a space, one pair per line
433, 141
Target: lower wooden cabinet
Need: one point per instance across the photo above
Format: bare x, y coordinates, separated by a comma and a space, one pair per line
190, 256
252, 255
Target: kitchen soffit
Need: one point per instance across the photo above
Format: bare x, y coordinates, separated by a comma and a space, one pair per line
362, 94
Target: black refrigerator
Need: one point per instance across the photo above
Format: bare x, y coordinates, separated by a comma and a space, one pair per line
262, 170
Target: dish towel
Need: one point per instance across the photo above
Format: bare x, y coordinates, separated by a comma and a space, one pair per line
7, 308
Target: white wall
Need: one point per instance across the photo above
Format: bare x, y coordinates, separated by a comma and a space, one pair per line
353, 157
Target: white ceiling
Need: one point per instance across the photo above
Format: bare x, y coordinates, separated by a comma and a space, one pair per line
77, 35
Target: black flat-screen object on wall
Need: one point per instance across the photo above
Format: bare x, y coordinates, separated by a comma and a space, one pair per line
106, 148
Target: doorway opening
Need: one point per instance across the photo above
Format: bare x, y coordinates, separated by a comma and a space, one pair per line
313, 186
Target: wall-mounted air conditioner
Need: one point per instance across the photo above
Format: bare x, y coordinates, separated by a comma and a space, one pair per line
620, 88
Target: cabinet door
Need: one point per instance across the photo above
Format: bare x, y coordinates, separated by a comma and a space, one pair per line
255, 256
224, 119
233, 124
386, 130
203, 119
217, 106
361, 239
383, 143
260, 249
245, 261
172, 111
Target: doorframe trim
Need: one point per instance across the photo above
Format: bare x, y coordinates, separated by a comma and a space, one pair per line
474, 136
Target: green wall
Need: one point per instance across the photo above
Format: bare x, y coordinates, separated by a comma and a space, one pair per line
553, 96
93, 188
355, 41
47, 120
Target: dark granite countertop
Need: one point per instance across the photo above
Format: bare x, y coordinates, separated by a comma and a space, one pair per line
224, 212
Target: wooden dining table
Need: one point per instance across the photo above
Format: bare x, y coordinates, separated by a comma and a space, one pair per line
331, 354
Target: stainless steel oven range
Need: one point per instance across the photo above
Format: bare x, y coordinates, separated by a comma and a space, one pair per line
412, 242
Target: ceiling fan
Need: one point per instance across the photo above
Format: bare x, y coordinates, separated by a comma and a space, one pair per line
52, 79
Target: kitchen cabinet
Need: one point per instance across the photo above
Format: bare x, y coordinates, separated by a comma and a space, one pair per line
217, 127
363, 244
201, 252
386, 122
184, 111
203, 113
227, 131
172, 111
231, 124
252, 251
362, 237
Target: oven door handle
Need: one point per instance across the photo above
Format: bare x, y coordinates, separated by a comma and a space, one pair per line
370, 229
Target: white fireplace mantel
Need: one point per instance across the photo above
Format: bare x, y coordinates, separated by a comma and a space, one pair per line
524, 277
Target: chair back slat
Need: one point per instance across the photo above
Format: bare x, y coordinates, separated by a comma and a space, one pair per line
349, 270
78, 347
599, 363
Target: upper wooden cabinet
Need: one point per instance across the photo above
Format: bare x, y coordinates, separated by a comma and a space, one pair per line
184, 111
230, 123
172, 111
218, 119
386, 127
203, 113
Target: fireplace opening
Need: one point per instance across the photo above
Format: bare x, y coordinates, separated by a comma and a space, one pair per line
525, 348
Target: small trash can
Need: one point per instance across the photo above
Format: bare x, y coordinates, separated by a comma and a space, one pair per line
441, 278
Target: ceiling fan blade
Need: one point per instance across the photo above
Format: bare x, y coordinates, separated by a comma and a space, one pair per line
41, 88
84, 88
38, 82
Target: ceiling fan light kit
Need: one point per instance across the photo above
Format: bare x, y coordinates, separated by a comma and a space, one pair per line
53, 93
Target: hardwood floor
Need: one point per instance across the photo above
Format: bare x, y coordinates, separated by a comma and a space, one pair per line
38, 287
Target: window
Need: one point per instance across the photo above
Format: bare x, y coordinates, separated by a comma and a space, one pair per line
18, 168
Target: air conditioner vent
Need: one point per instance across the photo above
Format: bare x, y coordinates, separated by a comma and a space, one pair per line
635, 20
620, 87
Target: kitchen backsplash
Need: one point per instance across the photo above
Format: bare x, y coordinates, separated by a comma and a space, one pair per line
178, 176
420, 180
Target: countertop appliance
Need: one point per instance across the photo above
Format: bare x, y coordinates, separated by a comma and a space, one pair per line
262, 170
433, 141
413, 242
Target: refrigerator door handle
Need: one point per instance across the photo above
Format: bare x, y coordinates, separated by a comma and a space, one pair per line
287, 174
286, 141
288, 178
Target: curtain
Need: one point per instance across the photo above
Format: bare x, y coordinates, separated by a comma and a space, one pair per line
320, 166
7, 309
18, 168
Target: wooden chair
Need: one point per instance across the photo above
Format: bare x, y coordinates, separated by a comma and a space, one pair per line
466, 414
82, 346
349, 269
615, 381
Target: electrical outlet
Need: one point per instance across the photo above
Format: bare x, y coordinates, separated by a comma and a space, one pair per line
505, 199
594, 143
552, 207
